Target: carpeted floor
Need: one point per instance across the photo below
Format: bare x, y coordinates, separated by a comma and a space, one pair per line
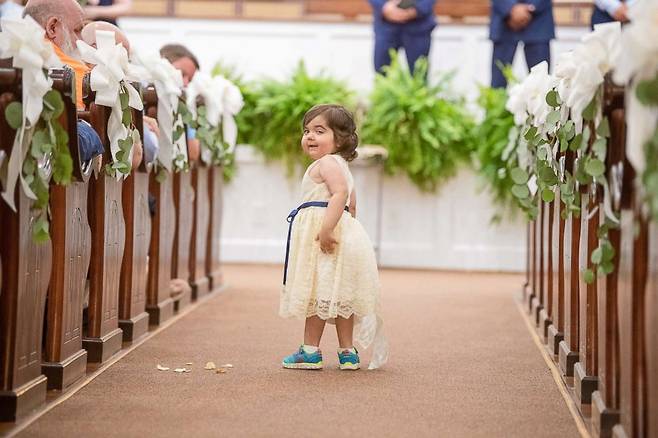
462, 364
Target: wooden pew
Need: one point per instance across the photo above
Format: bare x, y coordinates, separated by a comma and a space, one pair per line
65, 360
103, 337
585, 380
631, 310
546, 301
215, 193
651, 318
555, 332
26, 271
159, 303
568, 347
184, 214
536, 305
200, 231
605, 400
133, 318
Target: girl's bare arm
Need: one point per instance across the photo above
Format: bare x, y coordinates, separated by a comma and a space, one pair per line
333, 177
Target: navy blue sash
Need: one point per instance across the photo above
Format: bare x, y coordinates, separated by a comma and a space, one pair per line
290, 219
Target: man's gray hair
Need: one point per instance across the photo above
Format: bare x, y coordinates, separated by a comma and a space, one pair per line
41, 11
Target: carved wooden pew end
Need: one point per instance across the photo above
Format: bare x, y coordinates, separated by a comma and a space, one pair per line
26, 271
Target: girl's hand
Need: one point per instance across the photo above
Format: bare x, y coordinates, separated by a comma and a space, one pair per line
327, 241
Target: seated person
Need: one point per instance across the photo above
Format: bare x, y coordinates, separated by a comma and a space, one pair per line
63, 21
107, 10
89, 142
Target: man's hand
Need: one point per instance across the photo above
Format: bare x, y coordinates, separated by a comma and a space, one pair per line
394, 14
327, 241
520, 16
621, 13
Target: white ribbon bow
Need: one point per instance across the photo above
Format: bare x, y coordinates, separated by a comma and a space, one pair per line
222, 100
110, 74
23, 40
168, 82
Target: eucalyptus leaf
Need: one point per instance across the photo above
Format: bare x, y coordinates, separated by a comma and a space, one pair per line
519, 176
14, 115
589, 276
594, 167
521, 191
548, 195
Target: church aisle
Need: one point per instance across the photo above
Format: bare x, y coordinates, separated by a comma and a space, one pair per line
462, 364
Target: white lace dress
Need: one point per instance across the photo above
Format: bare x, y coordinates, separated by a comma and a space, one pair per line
344, 283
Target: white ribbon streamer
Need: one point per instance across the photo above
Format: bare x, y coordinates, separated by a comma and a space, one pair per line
22, 39
168, 82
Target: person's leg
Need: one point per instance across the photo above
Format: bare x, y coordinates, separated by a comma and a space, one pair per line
345, 331
536, 53
313, 330
503, 52
385, 40
415, 46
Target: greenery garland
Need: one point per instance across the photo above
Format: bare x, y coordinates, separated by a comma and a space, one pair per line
49, 143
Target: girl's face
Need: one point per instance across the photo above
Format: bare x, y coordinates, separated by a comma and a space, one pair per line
318, 138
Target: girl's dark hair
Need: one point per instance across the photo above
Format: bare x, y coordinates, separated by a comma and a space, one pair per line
341, 122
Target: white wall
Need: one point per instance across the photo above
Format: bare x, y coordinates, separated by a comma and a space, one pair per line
344, 50
447, 230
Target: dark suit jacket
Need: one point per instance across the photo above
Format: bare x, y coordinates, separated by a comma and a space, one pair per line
541, 28
424, 23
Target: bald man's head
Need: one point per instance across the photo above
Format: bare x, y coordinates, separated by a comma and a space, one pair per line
89, 33
62, 19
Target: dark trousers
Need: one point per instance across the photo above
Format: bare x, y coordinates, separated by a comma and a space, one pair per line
504, 52
415, 45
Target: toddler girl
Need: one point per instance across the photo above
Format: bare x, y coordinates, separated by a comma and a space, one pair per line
331, 272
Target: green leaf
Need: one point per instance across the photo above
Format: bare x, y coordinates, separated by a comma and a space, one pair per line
520, 191
14, 115
127, 117
62, 167
588, 276
548, 195
594, 167
552, 118
124, 98
600, 148
647, 92
553, 99
40, 231
576, 142
530, 133
597, 256
603, 130
519, 176
590, 111
54, 102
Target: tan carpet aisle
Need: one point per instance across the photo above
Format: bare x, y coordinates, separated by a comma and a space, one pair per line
462, 364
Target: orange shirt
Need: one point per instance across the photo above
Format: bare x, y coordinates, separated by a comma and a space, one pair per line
80, 69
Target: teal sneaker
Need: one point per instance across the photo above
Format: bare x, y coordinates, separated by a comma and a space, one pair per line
349, 360
303, 361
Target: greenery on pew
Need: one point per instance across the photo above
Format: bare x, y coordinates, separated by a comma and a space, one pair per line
647, 93
427, 135
48, 156
122, 162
